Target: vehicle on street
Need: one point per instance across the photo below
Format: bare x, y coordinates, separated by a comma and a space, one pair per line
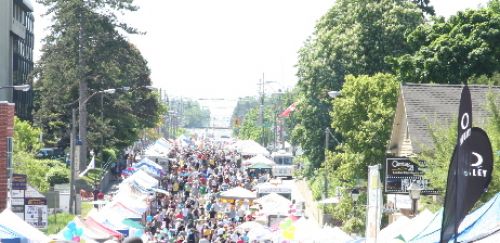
284, 164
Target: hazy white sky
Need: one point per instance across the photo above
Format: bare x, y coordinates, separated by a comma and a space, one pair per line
221, 48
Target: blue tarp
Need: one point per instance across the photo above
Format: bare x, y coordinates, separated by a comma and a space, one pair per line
482, 222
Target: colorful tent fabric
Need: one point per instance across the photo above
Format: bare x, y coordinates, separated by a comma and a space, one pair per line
11, 221
96, 226
481, 223
89, 232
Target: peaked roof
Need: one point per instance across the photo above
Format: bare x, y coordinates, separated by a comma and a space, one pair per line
429, 104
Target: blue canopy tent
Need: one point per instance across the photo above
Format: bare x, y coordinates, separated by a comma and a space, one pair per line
479, 224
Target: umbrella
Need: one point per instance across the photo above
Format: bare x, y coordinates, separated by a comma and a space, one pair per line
260, 166
133, 224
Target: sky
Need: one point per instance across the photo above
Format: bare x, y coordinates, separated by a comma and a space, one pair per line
215, 49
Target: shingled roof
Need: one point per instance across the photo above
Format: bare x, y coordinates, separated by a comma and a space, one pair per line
426, 104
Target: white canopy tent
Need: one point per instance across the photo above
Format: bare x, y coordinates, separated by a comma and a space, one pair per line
417, 224
238, 193
11, 221
259, 158
250, 147
388, 233
274, 204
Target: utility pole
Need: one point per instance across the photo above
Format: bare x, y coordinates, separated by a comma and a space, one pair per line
72, 209
82, 109
262, 109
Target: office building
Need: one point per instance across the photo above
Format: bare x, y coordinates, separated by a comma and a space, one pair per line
16, 54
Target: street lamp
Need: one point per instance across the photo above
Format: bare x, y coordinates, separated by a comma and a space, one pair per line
355, 197
81, 139
355, 194
21, 87
414, 191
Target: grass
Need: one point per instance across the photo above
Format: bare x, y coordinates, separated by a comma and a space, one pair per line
57, 222
86, 207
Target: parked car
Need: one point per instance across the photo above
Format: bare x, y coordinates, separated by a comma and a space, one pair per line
50, 153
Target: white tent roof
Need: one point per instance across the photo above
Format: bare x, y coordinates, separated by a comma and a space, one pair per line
388, 233
273, 198
238, 193
417, 224
259, 158
143, 179
274, 204
149, 162
11, 221
335, 234
250, 147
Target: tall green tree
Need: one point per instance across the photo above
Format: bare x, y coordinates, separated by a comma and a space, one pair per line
453, 50
353, 37
40, 173
85, 43
444, 138
362, 115
252, 129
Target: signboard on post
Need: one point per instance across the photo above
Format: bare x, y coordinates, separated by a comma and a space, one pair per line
35, 212
19, 182
401, 172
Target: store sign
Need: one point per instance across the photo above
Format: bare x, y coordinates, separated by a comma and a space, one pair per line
401, 172
19, 182
36, 212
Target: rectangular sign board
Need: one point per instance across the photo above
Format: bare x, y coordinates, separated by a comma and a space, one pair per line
19, 182
401, 172
36, 212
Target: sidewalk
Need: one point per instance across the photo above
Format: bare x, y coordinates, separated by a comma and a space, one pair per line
312, 208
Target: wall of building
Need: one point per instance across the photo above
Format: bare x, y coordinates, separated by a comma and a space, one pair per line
6, 130
5, 50
16, 53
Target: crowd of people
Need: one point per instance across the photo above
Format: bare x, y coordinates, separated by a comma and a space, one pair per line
191, 211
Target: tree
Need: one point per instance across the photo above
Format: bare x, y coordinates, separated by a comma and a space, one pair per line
26, 137
243, 106
353, 37
40, 173
444, 138
362, 116
425, 6
252, 129
103, 59
452, 51
192, 114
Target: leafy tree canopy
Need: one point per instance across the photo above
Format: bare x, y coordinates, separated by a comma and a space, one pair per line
354, 37
453, 50
108, 61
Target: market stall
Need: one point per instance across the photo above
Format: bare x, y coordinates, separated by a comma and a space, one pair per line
16, 225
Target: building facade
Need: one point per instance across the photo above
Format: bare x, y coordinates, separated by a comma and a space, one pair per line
16, 54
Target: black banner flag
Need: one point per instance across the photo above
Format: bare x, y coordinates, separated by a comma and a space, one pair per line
470, 170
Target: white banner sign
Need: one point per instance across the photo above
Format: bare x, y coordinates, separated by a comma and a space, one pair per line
36, 215
374, 210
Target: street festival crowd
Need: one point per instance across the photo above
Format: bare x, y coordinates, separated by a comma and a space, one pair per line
191, 211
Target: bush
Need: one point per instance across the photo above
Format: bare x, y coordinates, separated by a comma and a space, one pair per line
58, 174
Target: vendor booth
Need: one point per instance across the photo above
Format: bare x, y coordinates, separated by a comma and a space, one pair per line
18, 227
237, 193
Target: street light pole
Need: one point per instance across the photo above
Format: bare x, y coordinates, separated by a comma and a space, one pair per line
72, 208
414, 191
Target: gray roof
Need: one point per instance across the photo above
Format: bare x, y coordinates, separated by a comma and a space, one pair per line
437, 104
